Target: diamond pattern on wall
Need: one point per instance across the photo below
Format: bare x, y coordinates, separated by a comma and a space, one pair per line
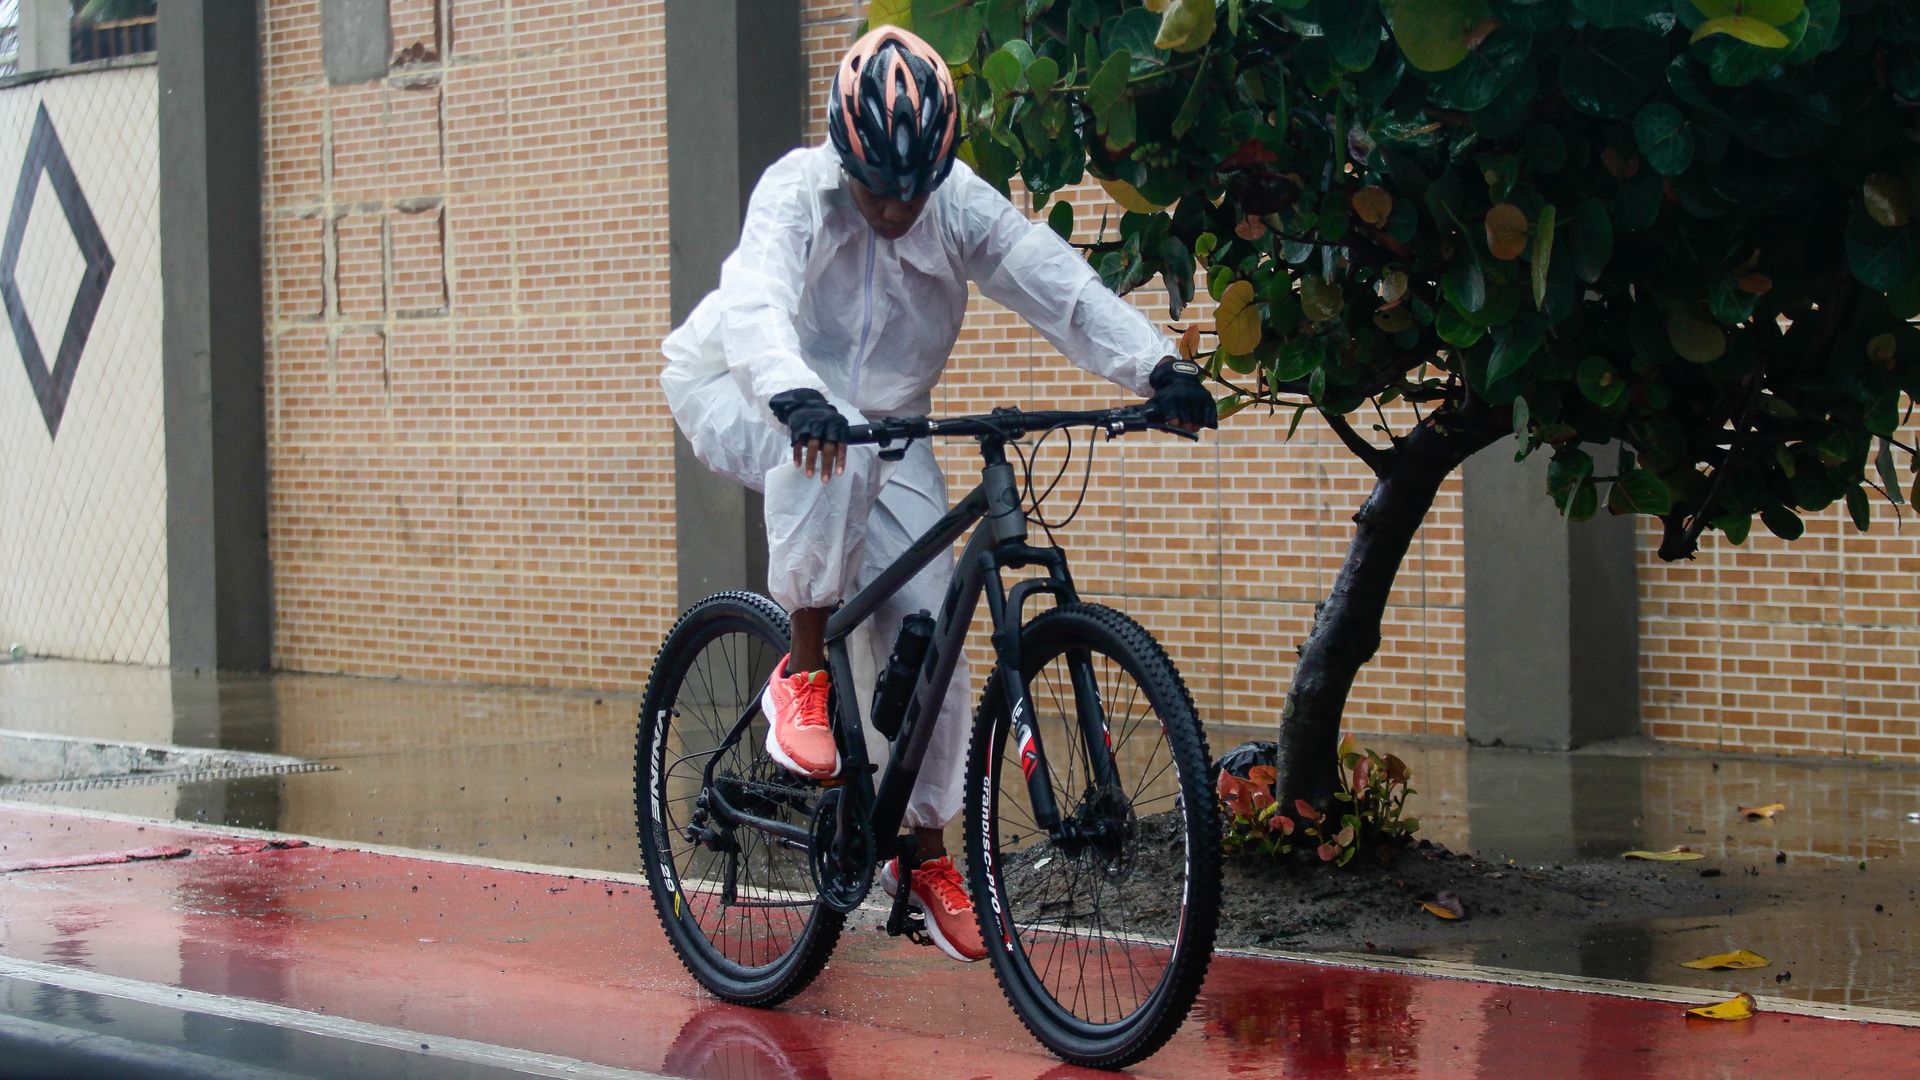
46, 157
83, 531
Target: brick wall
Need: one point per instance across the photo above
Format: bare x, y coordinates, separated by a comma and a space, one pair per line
467, 281
468, 284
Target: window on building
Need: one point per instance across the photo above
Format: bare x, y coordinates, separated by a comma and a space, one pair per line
9, 37
103, 29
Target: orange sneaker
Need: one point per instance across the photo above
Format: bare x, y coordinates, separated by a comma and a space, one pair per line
798, 733
940, 894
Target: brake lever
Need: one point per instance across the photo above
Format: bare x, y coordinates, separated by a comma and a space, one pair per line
1190, 436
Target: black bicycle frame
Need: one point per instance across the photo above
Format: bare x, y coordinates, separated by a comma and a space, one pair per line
1001, 545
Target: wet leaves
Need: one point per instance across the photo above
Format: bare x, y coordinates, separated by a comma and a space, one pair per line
1738, 960
1445, 905
1740, 1007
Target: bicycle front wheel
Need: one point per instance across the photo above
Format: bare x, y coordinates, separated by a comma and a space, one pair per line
1099, 944
738, 906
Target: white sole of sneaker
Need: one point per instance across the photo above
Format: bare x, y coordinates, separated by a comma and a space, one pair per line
890, 885
773, 746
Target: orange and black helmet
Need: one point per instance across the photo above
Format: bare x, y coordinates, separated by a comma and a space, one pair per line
892, 114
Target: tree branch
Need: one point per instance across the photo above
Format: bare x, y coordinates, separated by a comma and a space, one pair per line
1376, 459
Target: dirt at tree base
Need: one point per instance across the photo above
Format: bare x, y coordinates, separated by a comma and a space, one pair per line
1368, 905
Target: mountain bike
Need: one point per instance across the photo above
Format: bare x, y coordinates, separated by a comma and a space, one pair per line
1092, 835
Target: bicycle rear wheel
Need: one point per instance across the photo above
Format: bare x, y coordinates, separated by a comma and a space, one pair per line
1100, 946
738, 906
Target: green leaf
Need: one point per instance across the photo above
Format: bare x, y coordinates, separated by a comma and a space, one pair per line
1751, 31
1041, 74
1486, 72
1590, 240
1608, 73
1465, 285
952, 27
1002, 71
1060, 219
1190, 108
1636, 206
1512, 349
1858, 508
1695, 339
1186, 26
891, 13
1542, 257
1320, 300
1134, 31
1298, 358
1886, 201
1661, 133
1599, 383
1889, 473
1352, 32
1881, 259
1570, 467
1639, 492
1434, 33
1782, 522
1454, 329
1109, 82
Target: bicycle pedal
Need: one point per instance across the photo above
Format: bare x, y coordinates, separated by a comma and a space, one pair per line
916, 931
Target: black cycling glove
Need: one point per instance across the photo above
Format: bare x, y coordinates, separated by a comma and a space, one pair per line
1180, 397
808, 416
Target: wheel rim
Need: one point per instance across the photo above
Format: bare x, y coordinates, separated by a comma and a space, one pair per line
1094, 926
748, 909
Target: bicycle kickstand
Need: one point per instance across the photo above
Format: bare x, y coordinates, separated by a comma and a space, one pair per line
901, 921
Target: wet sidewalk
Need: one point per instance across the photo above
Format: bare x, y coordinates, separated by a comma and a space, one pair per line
544, 779
356, 954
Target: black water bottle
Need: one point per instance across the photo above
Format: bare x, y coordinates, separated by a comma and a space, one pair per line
896, 680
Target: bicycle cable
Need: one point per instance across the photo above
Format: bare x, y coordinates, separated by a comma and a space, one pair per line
1035, 516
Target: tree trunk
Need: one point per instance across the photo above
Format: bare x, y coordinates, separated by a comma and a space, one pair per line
1346, 625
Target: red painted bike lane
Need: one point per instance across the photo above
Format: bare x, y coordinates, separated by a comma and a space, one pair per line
577, 967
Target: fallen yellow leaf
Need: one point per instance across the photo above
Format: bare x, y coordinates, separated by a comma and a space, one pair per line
1739, 1008
1738, 960
1678, 854
1436, 910
1757, 812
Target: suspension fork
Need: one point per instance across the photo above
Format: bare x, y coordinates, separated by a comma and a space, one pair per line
1013, 689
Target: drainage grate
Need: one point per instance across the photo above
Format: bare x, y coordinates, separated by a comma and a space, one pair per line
175, 776
32, 762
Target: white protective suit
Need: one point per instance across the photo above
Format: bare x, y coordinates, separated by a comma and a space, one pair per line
813, 297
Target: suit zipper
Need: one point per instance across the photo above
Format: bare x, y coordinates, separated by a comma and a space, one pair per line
866, 328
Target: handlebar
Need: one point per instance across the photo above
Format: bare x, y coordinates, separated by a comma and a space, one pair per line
1011, 424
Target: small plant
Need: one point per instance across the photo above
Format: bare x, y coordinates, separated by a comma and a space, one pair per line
1369, 813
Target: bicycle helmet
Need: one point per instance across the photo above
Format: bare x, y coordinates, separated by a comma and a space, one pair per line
892, 114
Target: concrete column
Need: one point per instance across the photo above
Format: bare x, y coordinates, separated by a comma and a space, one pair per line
220, 598
1552, 635
46, 34
737, 94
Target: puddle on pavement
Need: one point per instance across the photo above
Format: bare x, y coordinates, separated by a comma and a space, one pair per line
546, 777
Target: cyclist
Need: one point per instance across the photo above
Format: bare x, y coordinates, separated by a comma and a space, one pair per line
841, 303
